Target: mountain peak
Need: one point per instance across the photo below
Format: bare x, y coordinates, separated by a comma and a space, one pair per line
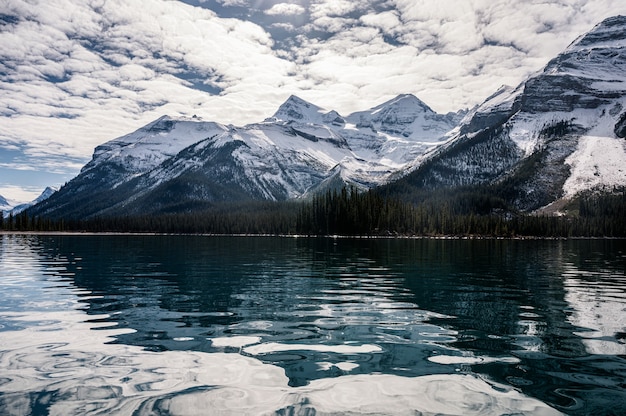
16, 208
294, 99
408, 100
405, 115
609, 32
551, 137
588, 74
403, 102
299, 110
45, 194
599, 50
162, 124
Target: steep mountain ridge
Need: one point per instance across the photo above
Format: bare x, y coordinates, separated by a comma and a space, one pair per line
551, 137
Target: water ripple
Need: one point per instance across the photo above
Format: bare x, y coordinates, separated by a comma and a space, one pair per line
179, 325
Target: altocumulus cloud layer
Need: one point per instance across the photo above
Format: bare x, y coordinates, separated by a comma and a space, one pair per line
75, 73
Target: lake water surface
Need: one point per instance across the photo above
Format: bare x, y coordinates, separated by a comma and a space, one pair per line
184, 325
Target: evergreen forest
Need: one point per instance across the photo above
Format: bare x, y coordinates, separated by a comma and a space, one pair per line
470, 212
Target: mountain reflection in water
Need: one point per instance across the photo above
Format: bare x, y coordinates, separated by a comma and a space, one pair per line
244, 325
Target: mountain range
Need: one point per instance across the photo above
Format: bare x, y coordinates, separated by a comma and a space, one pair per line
8, 207
557, 134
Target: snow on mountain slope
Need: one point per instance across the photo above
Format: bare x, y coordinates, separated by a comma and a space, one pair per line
301, 111
599, 161
183, 162
553, 136
583, 90
5, 205
150, 145
405, 116
45, 194
274, 161
398, 131
596, 55
8, 207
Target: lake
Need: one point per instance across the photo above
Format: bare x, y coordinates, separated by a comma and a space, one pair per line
186, 325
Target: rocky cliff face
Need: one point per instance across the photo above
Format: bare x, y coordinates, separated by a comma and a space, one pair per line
524, 138
587, 75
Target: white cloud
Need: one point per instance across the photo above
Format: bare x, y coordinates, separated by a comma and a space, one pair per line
115, 68
334, 8
19, 194
289, 27
241, 3
17, 166
387, 22
451, 54
285, 9
330, 24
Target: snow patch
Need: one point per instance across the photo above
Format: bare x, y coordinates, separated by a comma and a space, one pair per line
598, 161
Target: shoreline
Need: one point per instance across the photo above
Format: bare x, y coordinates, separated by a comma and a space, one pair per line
296, 236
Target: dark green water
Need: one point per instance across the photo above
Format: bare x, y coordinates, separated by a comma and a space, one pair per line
243, 325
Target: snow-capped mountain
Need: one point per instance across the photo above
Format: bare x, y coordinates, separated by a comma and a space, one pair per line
45, 194
5, 205
405, 115
175, 164
298, 110
558, 133
11, 207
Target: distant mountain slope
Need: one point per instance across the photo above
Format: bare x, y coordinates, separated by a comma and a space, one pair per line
45, 194
558, 133
4, 204
7, 207
181, 164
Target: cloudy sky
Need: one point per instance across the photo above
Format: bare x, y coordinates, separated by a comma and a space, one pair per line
77, 73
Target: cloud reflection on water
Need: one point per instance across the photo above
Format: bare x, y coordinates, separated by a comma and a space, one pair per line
69, 366
58, 359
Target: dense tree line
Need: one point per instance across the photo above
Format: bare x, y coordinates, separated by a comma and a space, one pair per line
24, 222
258, 217
469, 212
349, 212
